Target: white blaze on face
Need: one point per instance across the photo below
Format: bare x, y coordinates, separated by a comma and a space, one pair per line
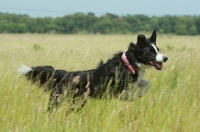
159, 56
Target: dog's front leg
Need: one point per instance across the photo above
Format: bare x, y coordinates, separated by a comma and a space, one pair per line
134, 92
141, 83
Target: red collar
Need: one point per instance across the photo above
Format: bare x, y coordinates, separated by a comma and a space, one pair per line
126, 62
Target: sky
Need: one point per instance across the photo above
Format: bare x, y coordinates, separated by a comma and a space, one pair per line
59, 8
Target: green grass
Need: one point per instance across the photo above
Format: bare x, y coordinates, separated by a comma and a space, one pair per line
171, 105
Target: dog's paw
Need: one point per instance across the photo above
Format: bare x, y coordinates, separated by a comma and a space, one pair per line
130, 95
143, 83
124, 95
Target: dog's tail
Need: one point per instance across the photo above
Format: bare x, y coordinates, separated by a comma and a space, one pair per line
24, 70
42, 74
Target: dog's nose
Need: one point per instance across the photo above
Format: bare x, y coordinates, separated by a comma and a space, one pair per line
165, 58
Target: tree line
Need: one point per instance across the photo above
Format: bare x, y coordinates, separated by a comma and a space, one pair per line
105, 24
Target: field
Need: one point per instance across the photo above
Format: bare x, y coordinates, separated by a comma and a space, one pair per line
171, 105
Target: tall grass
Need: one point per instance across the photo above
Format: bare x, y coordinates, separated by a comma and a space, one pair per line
172, 103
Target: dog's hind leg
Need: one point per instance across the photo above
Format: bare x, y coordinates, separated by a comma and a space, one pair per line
86, 96
56, 94
55, 98
87, 92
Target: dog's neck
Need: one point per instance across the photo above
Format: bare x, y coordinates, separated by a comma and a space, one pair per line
132, 69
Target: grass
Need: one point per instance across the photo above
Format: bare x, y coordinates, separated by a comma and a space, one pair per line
171, 105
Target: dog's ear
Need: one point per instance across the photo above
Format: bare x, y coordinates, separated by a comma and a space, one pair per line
141, 41
132, 46
153, 36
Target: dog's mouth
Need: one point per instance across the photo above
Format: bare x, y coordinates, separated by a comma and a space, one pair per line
157, 65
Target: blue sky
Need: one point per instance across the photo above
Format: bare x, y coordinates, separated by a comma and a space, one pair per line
59, 8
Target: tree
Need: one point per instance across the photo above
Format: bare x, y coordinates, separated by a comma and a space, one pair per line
197, 24
185, 25
104, 25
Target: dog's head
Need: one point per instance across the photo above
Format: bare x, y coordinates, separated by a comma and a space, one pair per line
146, 52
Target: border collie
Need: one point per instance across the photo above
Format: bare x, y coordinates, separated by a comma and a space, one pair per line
116, 75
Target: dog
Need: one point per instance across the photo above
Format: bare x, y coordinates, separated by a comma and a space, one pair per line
117, 74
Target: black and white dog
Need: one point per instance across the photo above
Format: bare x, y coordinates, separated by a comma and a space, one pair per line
115, 75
